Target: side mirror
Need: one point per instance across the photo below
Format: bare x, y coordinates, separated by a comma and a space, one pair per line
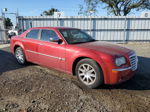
55, 39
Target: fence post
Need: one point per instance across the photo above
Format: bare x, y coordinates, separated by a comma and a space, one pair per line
72, 21
94, 28
125, 28
22, 24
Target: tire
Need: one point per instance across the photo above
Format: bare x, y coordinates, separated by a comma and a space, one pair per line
20, 56
89, 73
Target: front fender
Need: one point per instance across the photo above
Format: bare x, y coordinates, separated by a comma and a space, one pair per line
88, 54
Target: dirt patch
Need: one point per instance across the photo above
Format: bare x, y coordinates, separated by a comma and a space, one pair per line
33, 88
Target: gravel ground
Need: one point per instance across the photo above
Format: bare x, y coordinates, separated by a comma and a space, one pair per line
33, 88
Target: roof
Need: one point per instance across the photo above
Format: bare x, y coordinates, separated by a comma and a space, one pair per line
53, 28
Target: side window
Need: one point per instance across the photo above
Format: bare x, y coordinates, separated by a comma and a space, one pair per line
47, 34
33, 34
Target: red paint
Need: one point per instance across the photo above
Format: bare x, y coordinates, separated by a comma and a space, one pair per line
102, 52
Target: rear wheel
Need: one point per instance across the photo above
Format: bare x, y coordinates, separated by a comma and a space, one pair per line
89, 73
19, 54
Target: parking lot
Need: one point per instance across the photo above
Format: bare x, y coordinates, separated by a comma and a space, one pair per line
33, 88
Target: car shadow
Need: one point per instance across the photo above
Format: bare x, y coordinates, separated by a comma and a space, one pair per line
140, 81
8, 61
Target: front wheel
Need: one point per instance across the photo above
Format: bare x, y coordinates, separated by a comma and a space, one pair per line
89, 73
19, 54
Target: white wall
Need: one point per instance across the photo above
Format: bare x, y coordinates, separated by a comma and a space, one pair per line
101, 28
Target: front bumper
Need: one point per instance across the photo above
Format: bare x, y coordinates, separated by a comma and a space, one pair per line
122, 69
121, 75
117, 75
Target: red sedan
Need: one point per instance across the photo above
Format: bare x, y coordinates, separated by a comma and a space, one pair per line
73, 51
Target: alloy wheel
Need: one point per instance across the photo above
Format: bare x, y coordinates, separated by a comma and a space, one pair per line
87, 74
19, 56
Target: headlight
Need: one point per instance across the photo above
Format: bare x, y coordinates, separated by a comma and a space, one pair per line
120, 61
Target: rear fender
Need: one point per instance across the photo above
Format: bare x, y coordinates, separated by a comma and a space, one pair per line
20, 45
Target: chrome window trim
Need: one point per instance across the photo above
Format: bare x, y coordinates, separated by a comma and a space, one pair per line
46, 55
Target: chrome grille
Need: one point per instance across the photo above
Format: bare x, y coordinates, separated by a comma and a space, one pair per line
133, 61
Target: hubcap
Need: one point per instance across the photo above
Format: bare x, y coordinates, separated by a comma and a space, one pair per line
19, 56
87, 74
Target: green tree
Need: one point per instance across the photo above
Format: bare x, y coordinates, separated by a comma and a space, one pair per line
115, 7
8, 23
49, 12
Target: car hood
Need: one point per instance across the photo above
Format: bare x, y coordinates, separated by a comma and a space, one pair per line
105, 47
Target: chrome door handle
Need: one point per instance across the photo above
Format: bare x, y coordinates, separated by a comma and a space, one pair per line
40, 44
23, 40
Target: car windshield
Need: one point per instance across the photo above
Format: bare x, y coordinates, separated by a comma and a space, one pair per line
75, 36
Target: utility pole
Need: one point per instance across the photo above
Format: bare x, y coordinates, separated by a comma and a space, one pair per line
3, 16
17, 14
4, 27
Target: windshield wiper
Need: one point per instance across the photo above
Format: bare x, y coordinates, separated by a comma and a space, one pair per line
77, 42
84, 42
92, 40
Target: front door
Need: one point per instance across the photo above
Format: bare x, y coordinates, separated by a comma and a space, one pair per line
51, 54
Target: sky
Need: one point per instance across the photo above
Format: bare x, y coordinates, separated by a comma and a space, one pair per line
36, 7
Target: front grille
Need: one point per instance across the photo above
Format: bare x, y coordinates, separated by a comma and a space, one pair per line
133, 61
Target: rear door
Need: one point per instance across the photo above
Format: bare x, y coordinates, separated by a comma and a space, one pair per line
31, 45
51, 54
